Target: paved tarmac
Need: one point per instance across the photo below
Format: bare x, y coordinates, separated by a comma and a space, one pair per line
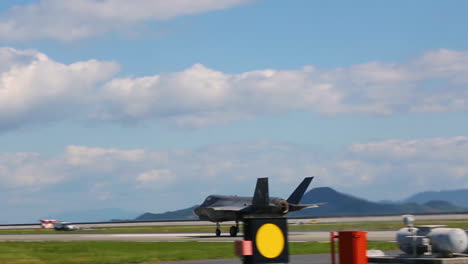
294, 259
294, 236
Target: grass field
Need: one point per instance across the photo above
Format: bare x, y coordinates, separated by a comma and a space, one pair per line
107, 252
391, 225
135, 252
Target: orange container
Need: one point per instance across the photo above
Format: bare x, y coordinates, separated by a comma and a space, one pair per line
353, 247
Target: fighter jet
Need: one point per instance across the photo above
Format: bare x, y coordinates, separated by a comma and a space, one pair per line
220, 208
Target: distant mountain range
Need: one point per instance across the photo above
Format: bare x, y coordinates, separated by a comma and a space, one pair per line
186, 213
343, 204
340, 204
456, 197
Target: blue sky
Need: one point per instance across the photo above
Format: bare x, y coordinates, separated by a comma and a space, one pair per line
117, 104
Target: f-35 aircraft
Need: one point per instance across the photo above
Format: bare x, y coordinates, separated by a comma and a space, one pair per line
220, 208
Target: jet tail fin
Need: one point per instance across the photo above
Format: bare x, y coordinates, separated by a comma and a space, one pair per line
296, 196
261, 194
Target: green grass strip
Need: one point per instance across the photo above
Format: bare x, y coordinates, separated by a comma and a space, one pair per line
104, 252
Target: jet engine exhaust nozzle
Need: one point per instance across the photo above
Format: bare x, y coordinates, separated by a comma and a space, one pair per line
284, 206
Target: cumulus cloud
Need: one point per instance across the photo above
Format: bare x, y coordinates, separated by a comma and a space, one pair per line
432, 149
438, 162
29, 170
37, 89
371, 169
72, 20
433, 82
156, 179
99, 157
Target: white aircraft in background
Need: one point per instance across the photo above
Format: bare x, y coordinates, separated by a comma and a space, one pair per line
48, 223
65, 226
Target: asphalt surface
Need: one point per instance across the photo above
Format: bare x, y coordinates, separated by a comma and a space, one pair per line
209, 237
293, 259
294, 236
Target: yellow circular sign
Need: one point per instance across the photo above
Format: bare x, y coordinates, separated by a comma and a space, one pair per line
270, 240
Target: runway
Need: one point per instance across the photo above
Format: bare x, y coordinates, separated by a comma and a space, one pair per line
294, 236
346, 219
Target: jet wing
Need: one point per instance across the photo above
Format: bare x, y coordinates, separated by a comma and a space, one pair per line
315, 205
227, 208
297, 207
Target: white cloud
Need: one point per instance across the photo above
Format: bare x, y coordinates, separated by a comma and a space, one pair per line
72, 20
98, 157
376, 167
29, 170
392, 169
432, 149
413, 165
156, 179
433, 82
35, 89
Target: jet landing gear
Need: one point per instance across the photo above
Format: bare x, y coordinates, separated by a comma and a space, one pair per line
234, 229
218, 231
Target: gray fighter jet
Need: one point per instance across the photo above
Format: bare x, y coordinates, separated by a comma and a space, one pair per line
220, 208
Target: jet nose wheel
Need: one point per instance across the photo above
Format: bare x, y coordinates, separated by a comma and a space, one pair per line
233, 231
218, 232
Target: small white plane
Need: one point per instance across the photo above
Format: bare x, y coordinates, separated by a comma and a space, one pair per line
65, 226
48, 223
